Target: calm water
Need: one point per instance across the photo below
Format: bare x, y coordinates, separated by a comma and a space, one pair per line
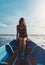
39, 40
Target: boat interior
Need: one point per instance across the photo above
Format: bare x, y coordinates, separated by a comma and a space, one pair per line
9, 54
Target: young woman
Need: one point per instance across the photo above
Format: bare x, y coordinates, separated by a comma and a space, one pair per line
22, 33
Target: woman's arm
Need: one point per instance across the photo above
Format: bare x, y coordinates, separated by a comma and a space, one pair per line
26, 33
17, 33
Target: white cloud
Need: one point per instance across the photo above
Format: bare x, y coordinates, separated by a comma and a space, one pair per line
3, 25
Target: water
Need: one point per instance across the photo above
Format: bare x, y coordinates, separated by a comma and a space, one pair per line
5, 39
38, 39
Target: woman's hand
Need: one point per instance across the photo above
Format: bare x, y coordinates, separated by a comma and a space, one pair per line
16, 37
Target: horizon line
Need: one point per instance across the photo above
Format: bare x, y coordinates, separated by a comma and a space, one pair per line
27, 34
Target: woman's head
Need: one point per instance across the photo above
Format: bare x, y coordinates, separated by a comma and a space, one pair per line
21, 21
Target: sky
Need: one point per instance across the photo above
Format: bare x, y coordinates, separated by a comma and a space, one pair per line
32, 10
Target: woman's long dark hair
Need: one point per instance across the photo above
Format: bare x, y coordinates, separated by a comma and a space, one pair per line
22, 21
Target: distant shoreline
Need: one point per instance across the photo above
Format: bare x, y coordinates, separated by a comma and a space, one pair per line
28, 34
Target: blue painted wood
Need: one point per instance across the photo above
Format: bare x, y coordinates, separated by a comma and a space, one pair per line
14, 44
6, 51
2, 52
38, 53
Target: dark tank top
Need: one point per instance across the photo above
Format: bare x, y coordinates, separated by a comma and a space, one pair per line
22, 31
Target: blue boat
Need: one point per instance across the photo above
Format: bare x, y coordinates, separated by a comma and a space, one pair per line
9, 54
